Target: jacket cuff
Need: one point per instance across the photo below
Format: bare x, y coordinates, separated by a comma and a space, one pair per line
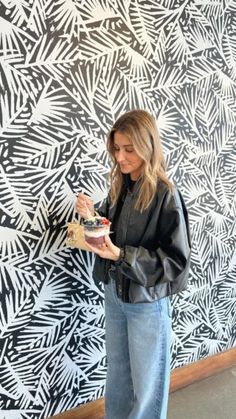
121, 257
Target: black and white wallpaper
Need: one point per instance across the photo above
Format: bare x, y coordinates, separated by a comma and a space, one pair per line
69, 68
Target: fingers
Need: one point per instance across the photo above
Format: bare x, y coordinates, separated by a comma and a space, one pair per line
100, 250
86, 200
106, 250
114, 251
84, 205
81, 209
93, 249
108, 241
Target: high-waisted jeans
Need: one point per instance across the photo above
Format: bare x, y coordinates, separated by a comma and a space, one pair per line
138, 354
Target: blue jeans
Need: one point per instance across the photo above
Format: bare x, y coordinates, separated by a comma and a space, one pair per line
138, 355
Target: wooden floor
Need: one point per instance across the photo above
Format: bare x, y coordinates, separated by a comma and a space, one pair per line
180, 377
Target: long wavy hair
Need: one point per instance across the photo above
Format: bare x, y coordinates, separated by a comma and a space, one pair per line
141, 128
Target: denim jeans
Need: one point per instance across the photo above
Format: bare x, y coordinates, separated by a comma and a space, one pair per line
138, 355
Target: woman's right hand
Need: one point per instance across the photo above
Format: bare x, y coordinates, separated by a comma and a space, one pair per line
84, 206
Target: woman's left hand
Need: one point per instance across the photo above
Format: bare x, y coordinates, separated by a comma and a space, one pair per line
107, 250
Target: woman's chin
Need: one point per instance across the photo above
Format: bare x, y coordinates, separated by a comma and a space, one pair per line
125, 170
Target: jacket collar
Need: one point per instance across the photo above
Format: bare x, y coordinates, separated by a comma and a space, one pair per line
132, 186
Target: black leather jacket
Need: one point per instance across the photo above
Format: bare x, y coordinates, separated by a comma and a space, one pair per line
155, 245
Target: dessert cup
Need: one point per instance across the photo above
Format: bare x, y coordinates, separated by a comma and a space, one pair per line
95, 230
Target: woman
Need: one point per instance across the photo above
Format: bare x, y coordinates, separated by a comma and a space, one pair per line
144, 262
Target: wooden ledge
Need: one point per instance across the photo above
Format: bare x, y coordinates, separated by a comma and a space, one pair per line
92, 410
189, 374
180, 378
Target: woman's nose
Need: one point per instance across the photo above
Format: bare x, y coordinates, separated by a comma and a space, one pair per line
119, 156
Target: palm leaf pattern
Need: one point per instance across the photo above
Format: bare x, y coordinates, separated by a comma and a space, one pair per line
69, 68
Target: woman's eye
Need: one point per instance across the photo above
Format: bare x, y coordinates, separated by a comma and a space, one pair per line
127, 150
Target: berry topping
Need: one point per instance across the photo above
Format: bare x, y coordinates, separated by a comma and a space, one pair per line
96, 222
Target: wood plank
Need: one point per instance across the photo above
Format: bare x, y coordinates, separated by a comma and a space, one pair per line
92, 410
180, 377
189, 374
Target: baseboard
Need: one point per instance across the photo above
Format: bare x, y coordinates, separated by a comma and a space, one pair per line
92, 410
180, 378
189, 374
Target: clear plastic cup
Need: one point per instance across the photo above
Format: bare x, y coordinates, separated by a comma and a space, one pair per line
95, 230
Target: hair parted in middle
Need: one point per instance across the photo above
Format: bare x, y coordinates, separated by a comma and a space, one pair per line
141, 129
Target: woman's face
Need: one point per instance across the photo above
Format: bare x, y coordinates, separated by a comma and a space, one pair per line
126, 157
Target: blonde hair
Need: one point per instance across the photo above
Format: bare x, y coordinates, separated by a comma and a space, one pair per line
141, 128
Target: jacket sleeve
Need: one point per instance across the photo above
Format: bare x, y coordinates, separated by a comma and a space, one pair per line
171, 258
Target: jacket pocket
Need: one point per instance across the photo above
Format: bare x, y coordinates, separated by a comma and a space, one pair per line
140, 294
